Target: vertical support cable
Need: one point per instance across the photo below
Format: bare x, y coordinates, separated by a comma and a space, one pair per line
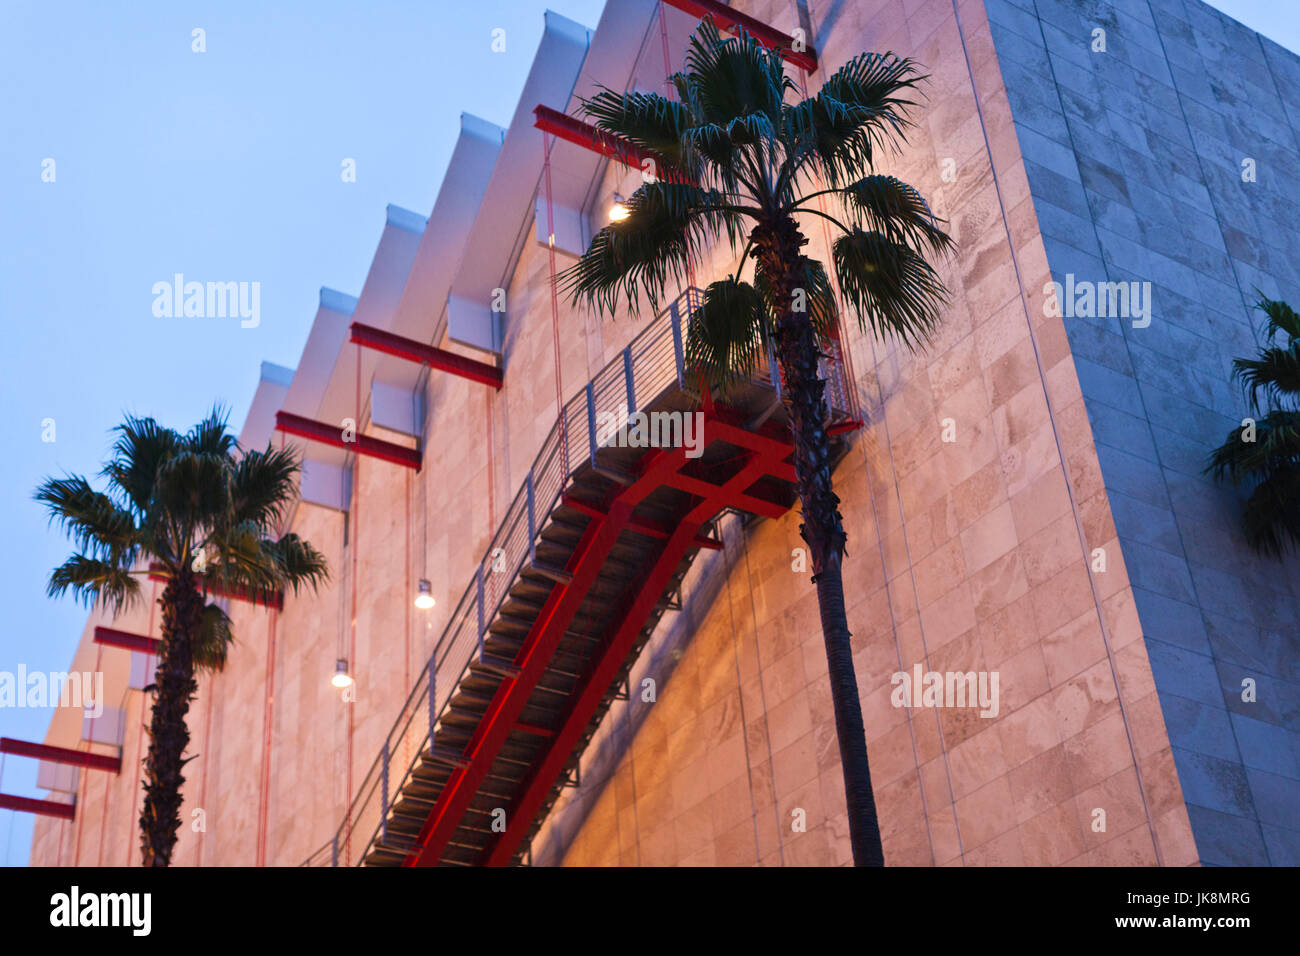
268, 711
671, 93
334, 851
591, 421
383, 799
81, 817
480, 611
627, 380
532, 520
678, 354
547, 141
433, 694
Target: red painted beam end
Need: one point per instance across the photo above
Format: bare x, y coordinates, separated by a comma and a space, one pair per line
132, 642
727, 18
77, 758
413, 351
45, 808
367, 445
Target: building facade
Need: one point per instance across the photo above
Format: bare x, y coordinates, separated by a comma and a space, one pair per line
1026, 497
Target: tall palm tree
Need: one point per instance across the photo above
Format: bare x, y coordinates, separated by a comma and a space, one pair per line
205, 517
742, 162
1265, 457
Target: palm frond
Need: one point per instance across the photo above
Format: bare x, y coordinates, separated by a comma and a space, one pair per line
94, 521
727, 336
1276, 373
647, 120
94, 581
889, 205
890, 286
666, 225
214, 639
1276, 446
262, 486
1272, 513
193, 489
1281, 317
864, 105
733, 77
142, 445
211, 436
298, 564
818, 295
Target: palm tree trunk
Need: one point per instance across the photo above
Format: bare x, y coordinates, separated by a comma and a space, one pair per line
174, 688
798, 352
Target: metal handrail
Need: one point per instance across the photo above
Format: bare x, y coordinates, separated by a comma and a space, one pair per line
651, 362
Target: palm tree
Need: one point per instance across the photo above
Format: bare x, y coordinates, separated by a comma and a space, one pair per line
205, 517
1264, 455
741, 162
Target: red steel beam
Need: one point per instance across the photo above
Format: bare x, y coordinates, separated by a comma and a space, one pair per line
413, 351
607, 144
561, 606
158, 573
45, 808
539, 646
328, 434
131, 642
727, 18
592, 691
78, 758
651, 529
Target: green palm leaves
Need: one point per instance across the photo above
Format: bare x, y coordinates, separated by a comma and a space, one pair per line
735, 160
1265, 457
186, 502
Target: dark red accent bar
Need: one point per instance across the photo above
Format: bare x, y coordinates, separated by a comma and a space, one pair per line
437, 358
651, 529
367, 445
157, 573
589, 137
840, 428
45, 808
727, 18
131, 642
78, 758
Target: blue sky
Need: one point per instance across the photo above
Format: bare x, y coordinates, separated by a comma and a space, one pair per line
224, 166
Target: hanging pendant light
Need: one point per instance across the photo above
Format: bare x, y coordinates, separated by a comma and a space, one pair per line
424, 596
341, 676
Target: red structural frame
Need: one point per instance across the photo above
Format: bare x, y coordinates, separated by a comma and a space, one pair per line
444, 361
276, 600
45, 808
726, 18
607, 144
367, 445
766, 457
77, 758
124, 639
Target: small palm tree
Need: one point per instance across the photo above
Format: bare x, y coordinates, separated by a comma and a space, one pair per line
740, 162
205, 516
1264, 454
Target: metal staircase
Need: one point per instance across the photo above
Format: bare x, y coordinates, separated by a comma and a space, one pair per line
590, 555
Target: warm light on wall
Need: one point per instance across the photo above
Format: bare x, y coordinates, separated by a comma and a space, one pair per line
424, 597
619, 211
341, 676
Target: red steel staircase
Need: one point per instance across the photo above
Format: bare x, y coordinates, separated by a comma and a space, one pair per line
590, 555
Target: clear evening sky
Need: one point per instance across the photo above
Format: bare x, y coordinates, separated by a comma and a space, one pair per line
224, 166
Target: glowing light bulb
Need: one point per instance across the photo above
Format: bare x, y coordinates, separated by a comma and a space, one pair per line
619, 211
341, 676
424, 596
